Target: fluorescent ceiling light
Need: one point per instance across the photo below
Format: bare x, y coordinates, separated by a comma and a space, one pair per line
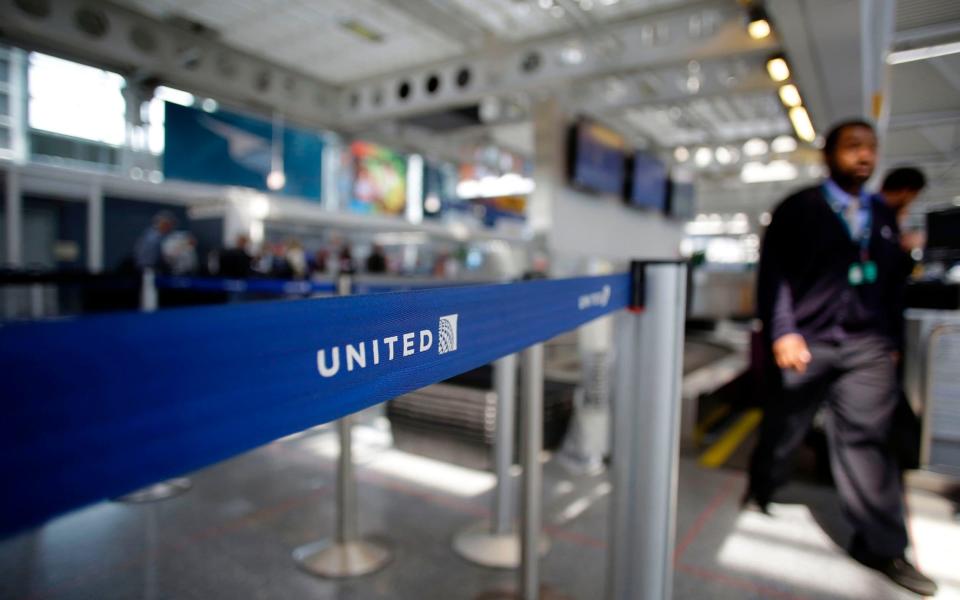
790, 95
778, 69
174, 95
802, 124
755, 147
927, 52
783, 144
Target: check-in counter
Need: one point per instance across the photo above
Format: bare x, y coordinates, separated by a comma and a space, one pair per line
932, 384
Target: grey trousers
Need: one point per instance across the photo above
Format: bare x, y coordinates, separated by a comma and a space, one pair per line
857, 382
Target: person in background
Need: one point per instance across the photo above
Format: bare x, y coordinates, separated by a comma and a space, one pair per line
826, 281
279, 265
296, 258
180, 253
345, 260
319, 264
377, 261
900, 188
236, 262
148, 251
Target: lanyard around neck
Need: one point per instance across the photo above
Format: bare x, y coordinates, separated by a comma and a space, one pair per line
836, 204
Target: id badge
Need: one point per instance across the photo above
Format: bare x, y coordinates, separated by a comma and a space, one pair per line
869, 272
855, 274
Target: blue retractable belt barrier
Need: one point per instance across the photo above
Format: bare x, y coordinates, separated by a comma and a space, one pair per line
98, 406
264, 286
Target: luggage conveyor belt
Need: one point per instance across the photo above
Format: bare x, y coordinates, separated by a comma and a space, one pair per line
460, 414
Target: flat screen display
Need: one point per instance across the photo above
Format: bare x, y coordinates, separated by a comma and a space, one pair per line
598, 160
943, 235
379, 180
648, 187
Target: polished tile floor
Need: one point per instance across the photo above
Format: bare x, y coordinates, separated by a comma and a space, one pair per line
232, 534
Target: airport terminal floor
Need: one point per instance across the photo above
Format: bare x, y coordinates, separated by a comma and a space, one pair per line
232, 534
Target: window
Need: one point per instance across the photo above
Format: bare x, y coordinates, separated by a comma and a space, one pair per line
75, 100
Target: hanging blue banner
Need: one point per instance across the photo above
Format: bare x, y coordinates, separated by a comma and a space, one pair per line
99, 406
226, 148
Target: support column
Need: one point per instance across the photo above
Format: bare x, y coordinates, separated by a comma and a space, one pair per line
646, 434
14, 219
95, 228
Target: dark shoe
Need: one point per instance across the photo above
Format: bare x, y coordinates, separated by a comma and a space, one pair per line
906, 575
753, 502
899, 570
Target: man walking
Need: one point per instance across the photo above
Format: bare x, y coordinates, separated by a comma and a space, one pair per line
827, 290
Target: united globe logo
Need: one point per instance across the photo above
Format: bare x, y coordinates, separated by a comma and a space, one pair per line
447, 334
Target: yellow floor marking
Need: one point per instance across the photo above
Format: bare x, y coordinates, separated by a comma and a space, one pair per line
717, 454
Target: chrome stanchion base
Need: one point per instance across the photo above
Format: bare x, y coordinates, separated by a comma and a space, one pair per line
158, 491
331, 560
478, 545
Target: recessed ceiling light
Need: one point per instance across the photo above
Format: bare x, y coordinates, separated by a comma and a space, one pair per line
790, 95
778, 69
702, 157
758, 29
802, 124
572, 54
723, 155
681, 154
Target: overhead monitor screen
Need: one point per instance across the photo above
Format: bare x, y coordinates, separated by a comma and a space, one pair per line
943, 235
648, 188
379, 180
597, 163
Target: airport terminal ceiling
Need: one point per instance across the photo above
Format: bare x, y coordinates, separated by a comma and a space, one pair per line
682, 78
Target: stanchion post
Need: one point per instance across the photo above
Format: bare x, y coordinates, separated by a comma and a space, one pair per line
505, 384
496, 544
531, 518
646, 433
346, 484
148, 291
347, 554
